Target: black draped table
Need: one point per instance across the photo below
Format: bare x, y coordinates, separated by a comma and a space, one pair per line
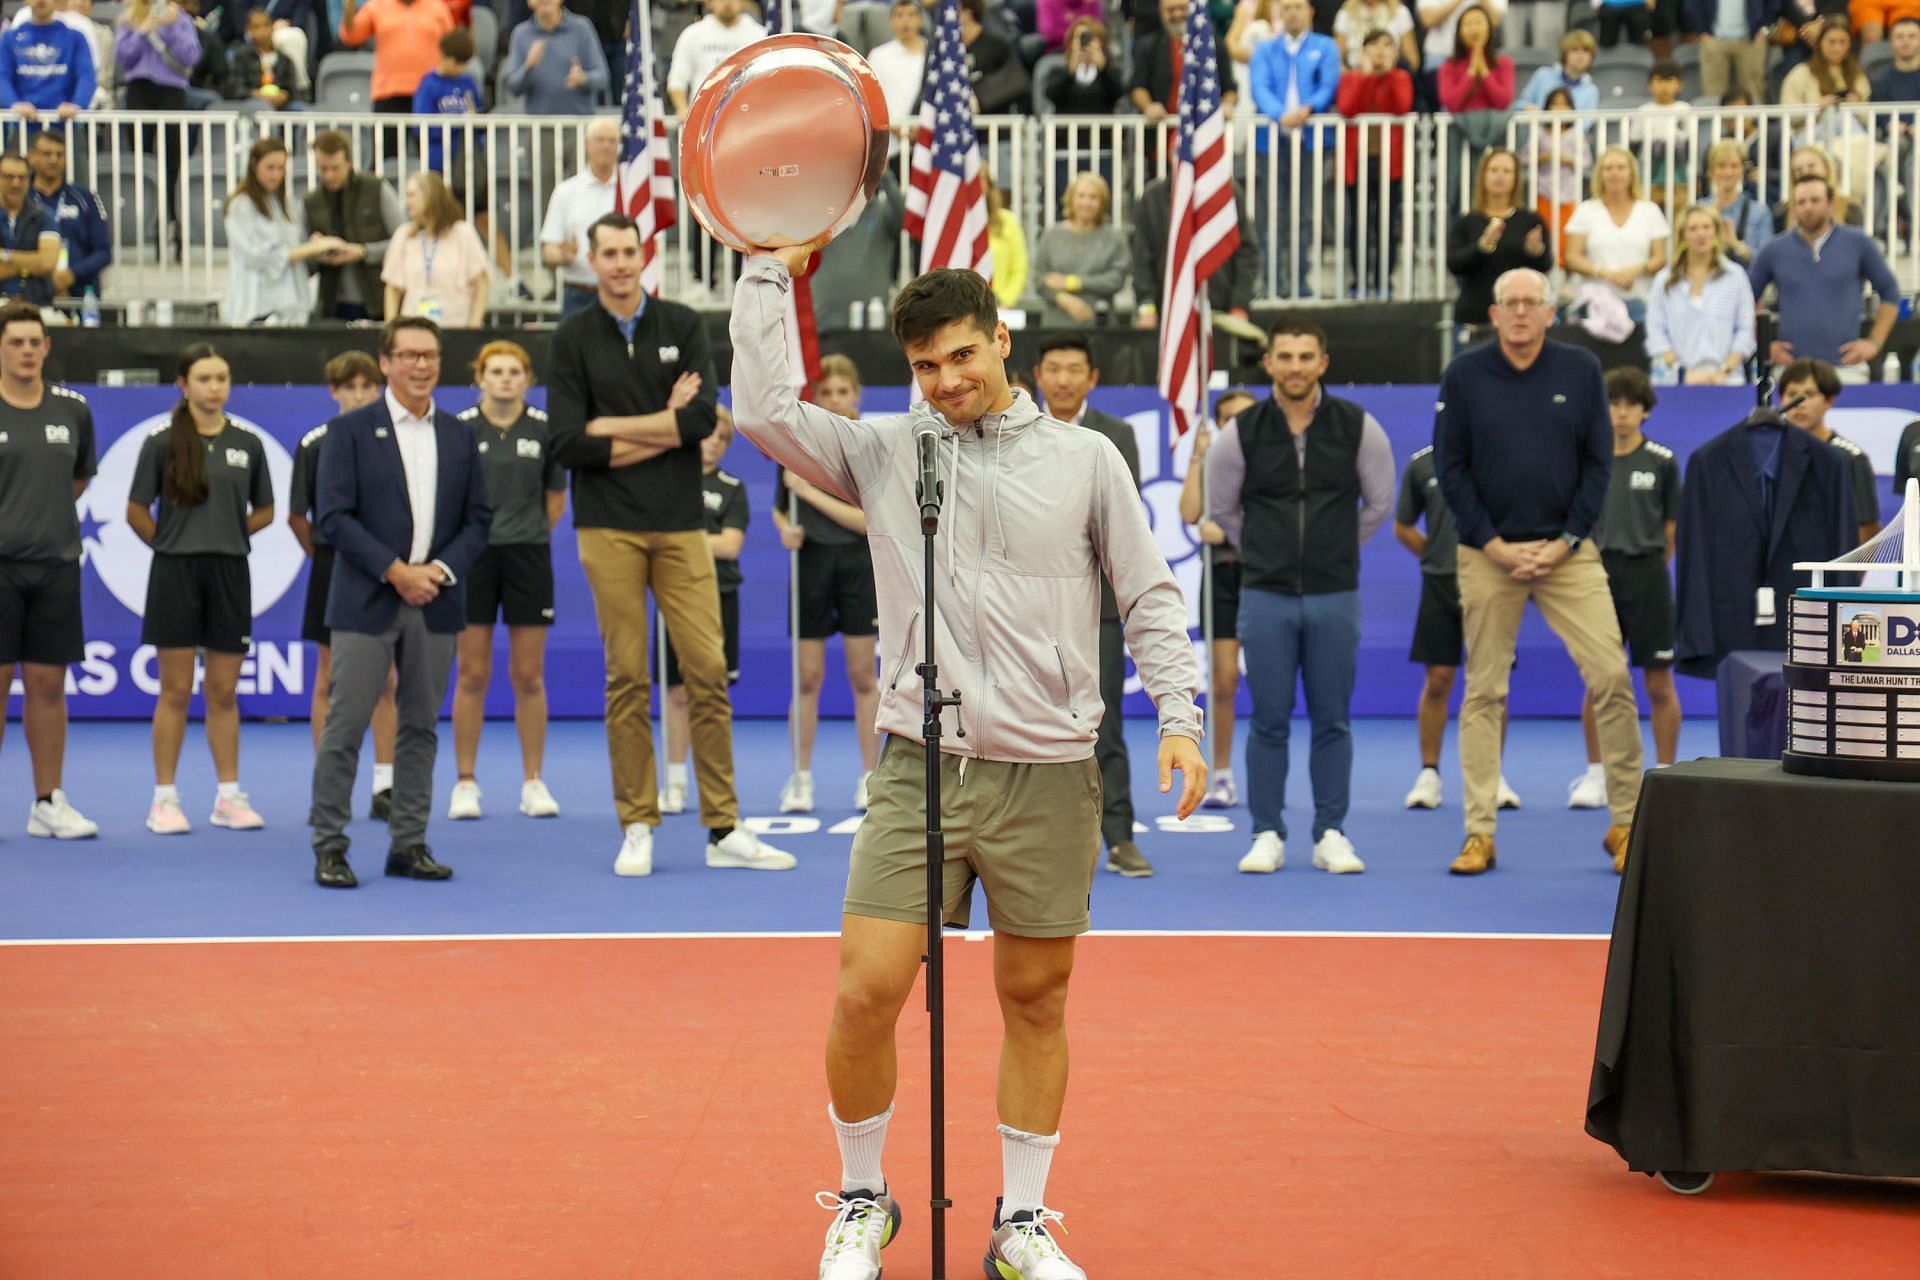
1762, 1001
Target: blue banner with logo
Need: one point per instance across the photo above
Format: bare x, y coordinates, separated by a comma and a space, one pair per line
119, 677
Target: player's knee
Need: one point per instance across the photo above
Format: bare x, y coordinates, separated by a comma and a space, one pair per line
1440, 681
870, 1001
529, 681
475, 677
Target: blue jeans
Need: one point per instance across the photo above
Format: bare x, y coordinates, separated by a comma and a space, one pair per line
1313, 640
1287, 236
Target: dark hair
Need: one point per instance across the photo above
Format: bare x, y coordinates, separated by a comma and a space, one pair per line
185, 479
1297, 327
1632, 386
1818, 372
1739, 98
1066, 342
939, 298
332, 142
250, 184
458, 45
50, 135
1897, 22
1805, 178
612, 222
21, 313
978, 8
348, 365
1375, 36
1493, 31
1561, 93
1664, 71
1227, 397
399, 324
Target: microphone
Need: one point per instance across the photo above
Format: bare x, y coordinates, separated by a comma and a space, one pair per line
926, 438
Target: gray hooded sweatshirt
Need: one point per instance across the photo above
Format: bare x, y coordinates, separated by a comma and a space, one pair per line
1035, 512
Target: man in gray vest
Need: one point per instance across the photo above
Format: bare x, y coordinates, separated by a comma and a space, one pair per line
1065, 376
359, 209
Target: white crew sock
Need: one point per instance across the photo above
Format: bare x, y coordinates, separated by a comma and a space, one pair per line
168, 792
1598, 772
860, 1148
1025, 1159
1223, 774
676, 775
229, 790
803, 775
382, 777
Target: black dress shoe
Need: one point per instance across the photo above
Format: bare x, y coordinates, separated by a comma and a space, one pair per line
382, 805
332, 872
416, 863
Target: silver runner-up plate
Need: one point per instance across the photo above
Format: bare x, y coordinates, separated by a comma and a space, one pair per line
785, 142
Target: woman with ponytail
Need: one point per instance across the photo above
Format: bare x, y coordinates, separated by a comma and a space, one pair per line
208, 476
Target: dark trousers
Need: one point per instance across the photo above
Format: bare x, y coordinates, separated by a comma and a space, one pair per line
1370, 262
1110, 748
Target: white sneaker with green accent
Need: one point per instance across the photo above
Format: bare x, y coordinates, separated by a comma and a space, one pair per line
1023, 1248
863, 1225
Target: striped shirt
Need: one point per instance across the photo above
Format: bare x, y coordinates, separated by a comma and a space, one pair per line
1704, 329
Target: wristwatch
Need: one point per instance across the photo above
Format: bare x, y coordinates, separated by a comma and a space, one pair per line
1573, 541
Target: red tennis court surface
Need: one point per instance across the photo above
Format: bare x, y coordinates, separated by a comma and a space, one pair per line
569, 1109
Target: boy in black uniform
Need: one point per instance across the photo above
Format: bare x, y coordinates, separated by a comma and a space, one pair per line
1635, 535
210, 479
354, 381
512, 580
1815, 384
46, 459
726, 512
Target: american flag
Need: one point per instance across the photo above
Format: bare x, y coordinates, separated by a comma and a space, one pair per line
947, 205
803, 335
644, 180
1205, 229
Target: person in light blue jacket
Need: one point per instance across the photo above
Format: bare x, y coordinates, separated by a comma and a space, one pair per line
1577, 49
45, 66
1294, 77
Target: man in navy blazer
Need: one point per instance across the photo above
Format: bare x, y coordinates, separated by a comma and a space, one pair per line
402, 500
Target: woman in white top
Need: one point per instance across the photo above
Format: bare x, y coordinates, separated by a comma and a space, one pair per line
1358, 18
1700, 313
435, 265
1618, 239
267, 246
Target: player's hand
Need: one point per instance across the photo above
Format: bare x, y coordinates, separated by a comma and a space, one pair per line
686, 389
792, 536
796, 257
1183, 753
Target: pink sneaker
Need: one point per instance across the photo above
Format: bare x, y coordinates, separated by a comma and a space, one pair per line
166, 819
235, 814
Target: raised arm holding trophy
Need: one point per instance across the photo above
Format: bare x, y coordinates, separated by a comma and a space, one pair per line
990, 527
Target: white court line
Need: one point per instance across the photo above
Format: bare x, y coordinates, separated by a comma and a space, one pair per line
970, 936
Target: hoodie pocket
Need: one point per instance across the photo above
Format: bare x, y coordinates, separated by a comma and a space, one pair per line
906, 652
1066, 685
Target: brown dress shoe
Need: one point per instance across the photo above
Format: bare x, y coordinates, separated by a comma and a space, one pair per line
1615, 842
1476, 856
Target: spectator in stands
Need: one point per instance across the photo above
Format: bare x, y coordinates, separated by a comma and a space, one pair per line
1833, 80
45, 66
157, 46
1560, 155
861, 263
263, 76
1872, 18
1573, 74
406, 36
1617, 239
555, 62
1816, 385
575, 205
1357, 20
1081, 262
1000, 81
1007, 242
1254, 23
901, 62
1900, 81
451, 90
86, 242
1735, 36
436, 266
1669, 140
1155, 88
1476, 84
705, 45
1230, 290
211, 80
1818, 270
78, 14
1378, 88
1745, 222
1492, 238
1055, 20
1810, 160
1439, 19
29, 244
1700, 312
1089, 85
267, 280
1635, 17
1295, 77
357, 214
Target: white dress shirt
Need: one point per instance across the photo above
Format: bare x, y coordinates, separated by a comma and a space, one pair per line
576, 205
420, 459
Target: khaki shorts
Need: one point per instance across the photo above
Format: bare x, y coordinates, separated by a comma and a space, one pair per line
1029, 833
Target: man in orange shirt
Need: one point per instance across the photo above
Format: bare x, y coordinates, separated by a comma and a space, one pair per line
407, 43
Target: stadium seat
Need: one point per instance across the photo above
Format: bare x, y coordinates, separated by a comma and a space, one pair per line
486, 38
130, 189
1876, 56
1526, 61
345, 81
1043, 72
1621, 86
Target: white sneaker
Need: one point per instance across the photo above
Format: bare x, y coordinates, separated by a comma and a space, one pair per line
860, 792
464, 803
1426, 790
1333, 852
1269, 853
673, 798
636, 852
166, 818
1507, 797
745, 850
797, 795
56, 818
863, 1225
536, 801
1588, 791
1023, 1248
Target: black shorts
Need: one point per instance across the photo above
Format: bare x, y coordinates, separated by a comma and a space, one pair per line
1643, 601
1439, 638
313, 619
836, 591
730, 632
513, 584
199, 602
40, 612
1226, 599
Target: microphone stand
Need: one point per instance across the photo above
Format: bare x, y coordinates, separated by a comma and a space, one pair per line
934, 701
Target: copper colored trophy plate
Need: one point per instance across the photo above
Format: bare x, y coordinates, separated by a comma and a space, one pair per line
784, 142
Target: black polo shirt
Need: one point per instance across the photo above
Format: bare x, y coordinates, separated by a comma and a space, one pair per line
43, 450
237, 481
521, 470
